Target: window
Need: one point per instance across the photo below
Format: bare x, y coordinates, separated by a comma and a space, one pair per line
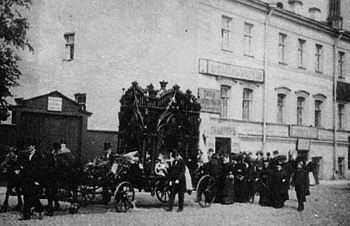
301, 50
280, 107
300, 110
247, 102
282, 47
69, 37
341, 64
318, 118
225, 33
340, 116
225, 100
318, 58
248, 39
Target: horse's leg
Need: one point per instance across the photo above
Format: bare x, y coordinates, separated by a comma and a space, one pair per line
49, 196
19, 199
54, 190
6, 201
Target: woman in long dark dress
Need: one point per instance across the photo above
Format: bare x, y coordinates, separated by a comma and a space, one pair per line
228, 192
265, 176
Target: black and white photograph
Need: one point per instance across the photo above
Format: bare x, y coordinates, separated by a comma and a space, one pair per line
175, 112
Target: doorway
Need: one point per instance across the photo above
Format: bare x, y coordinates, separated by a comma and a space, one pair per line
341, 167
222, 145
317, 168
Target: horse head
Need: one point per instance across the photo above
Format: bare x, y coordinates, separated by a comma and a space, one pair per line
10, 162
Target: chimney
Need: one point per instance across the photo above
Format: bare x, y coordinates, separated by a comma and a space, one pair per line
315, 13
335, 20
80, 98
296, 6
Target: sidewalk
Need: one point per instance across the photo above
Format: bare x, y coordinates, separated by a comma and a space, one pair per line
335, 182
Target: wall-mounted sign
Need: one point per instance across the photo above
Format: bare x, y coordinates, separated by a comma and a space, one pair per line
342, 136
210, 100
54, 104
232, 71
325, 134
223, 131
303, 144
303, 132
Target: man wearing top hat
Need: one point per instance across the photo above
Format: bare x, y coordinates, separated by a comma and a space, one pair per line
32, 177
176, 174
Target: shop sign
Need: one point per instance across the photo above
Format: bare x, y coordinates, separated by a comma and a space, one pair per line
54, 104
325, 134
223, 131
210, 100
250, 129
341, 136
303, 144
232, 71
303, 132
277, 131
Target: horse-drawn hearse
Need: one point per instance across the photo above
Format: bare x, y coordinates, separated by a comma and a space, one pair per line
151, 124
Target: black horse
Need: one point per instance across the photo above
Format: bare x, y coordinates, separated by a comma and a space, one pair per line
58, 172
11, 173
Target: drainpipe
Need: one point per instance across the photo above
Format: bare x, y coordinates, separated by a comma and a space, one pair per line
335, 109
267, 23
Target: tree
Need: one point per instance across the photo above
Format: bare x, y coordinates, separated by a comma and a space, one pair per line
13, 37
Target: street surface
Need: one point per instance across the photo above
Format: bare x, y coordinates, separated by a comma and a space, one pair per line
329, 204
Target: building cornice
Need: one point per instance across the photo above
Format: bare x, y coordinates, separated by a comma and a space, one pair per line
296, 18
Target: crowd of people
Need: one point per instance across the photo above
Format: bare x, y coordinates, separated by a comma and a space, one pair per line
239, 177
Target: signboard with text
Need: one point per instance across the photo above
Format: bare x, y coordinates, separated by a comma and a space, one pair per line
54, 104
210, 100
232, 71
303, 132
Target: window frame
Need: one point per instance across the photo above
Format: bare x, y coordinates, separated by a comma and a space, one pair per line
318, 113
301, 53
341, 61
318, 58
282, 47
224, 100
247, 103
248, 39
341, 113
69, 46
300, 110
281, 107
225, 29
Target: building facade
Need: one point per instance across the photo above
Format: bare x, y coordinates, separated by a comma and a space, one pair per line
266, 72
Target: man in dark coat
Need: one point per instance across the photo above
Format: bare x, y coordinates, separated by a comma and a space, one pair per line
177, 182
300, 181
32, 178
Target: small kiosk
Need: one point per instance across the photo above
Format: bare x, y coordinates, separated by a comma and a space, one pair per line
51, 118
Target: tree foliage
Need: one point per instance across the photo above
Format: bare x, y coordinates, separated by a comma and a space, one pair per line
13, 37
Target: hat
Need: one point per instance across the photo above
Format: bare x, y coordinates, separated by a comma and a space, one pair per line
107, 146
31, 142
275, 152
259, 152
